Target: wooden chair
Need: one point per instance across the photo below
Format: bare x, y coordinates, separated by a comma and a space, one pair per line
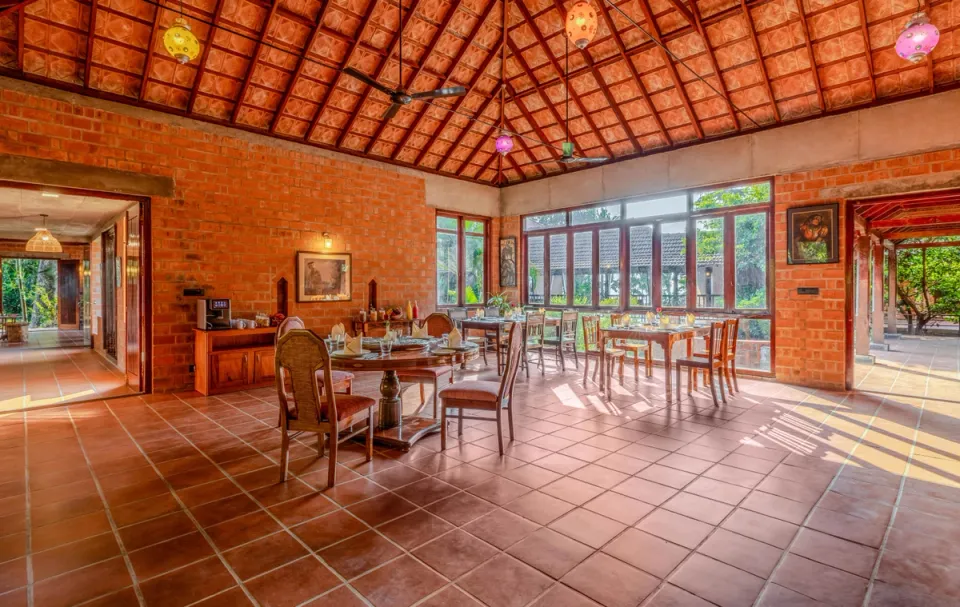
485, 395
566, 338
342, 380
437, 324
729, 356
591, 343
712, 363
622, 344
302, 356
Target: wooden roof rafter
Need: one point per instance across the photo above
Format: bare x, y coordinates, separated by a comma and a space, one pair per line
463, 133
543, 97
763, 67
252, 67
868, 51
202, 65
814, 70
91, 36
154, 37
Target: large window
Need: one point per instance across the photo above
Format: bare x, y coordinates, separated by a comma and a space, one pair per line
461, 260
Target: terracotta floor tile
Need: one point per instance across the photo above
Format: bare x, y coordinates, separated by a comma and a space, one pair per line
292, 584
778, 596
380, 509
213, 513
461, 508
760, 527
716, 582
83, 584
753, 464
820, 582
501, 528
13, 574
160, 558
427, 491
531, 476
868, 532
647, 552
505, 582
242, 529
328, 529
561, 464
341, 596
127, 597
302, 509
836, 552
398, 476
563, 596
571, 490
73, 556
464, 476
71, 530
664, 475
156, 530
620, 508
400, 584
700, 508
889, 595
622, 463
672, 596
600, 476
264, 554
455, 553
734, 476
138, 512
359, 554
777, 507
791, 490
415, 529
645, 491
451, 596
353, 491
675, 528
741, 552
717, 490
539, 507
588, 527
550, 552
499, 490
610, 582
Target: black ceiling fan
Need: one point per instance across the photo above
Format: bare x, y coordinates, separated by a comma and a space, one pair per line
400, 97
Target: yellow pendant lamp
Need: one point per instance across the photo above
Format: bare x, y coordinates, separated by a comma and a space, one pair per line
43, 241
180, 41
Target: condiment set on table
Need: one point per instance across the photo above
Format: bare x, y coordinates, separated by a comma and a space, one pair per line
344, 346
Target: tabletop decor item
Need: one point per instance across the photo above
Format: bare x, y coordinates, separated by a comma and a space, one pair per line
812, 234
323, 277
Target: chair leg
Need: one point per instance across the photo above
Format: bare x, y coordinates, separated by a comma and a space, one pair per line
726, 376
443, 428
526, 363
691, 374
636, 366
678, 382
370, 427
484, 350
586, 369
332, 473
543, 365
649, 356
576, 357
436, 389
284, 449
733, 372
459, 421
423, 398
510, 416
349, 386
723, 396
713, 388
320, 438
561, 361
499, 430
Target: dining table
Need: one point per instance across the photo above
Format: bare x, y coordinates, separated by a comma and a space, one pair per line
393, 428
652, 334
496, 324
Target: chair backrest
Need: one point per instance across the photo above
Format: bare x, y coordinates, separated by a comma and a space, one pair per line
457, 313
290, 323
300, 354
568, 324
514, 349
718, 340
473, 312
534, 325
733, 331
491, 312
438, 323
591, 331
616, 319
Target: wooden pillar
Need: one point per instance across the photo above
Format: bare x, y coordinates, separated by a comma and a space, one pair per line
891, 291
876, 314
862, 317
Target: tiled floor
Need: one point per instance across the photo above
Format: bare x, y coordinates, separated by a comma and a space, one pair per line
49, 338
784, 496
36, 377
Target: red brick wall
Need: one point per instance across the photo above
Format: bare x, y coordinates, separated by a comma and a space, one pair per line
242, 210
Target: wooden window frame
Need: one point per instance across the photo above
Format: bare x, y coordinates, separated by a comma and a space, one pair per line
461, 259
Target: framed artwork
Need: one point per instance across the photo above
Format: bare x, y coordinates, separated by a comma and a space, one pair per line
812, 234
324, 276
508, 261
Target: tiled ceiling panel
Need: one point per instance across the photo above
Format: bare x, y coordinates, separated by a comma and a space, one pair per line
660, 73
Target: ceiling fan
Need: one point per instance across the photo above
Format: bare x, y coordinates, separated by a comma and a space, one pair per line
567, 156
400, 97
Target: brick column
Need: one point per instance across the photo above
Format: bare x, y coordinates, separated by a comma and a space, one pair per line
861, 321
892, 291
876, 315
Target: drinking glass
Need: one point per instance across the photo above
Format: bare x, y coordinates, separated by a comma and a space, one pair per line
386, 345
444, 339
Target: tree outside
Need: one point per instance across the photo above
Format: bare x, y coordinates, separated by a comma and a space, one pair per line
30, 290
928, 285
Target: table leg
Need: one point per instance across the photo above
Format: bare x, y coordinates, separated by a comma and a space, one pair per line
499, 339
393, 430
602, 364
668, 368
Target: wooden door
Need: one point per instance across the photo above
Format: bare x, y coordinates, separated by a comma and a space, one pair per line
134, 314
109, 274
68, 293
228, 369
264, 365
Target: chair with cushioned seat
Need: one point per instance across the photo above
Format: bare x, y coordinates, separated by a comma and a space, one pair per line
437, 324
302, 358
342, 380
485, 395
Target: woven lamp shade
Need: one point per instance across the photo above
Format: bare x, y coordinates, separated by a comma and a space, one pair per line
44, 242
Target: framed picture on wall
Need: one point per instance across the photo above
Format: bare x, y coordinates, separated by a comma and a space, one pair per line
508, 261
812, 234
324, 276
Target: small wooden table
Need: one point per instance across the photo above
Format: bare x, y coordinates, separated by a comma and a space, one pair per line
395, 430
496, 324
665, 337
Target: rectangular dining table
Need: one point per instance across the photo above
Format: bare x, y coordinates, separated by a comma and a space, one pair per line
496, 323
666, 337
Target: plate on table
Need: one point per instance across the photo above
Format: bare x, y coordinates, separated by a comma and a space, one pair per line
345, 354
448, 349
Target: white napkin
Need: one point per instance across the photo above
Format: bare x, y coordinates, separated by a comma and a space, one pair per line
691, 319
337, 330
454, 339
649, 318
354, 345
420, 331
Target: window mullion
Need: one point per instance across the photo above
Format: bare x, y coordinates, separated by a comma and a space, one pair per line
656, 289
729, 263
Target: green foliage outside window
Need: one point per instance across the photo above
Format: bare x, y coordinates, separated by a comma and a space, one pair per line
928, 285
30, 290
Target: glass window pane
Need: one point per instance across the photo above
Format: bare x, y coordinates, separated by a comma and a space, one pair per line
673, 264
608, 283
473, 226
446, 269
583, 269
670, 205
750, 233
558, 269
732, 197
535, 270
610, 212
473, 270
641, 265
753, 344
549, 220
710, 263
446, 223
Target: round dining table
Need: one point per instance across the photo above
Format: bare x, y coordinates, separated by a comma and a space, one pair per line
394, 429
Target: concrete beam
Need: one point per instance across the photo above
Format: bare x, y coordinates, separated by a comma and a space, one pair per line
58, 173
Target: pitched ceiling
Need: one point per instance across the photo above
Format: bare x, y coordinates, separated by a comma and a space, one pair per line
273, 66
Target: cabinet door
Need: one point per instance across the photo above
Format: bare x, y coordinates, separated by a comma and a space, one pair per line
228, 369
264, 365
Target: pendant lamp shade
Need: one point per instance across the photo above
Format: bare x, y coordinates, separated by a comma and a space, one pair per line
581, 24
43, 241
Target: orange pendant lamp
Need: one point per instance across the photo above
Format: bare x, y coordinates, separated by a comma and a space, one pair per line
581, 25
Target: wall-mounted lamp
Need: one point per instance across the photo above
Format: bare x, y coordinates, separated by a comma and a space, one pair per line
327, 240
708, 272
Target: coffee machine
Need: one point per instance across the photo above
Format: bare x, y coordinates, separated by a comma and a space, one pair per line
213, 314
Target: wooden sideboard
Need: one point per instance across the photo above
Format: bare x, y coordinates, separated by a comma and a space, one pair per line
234, 359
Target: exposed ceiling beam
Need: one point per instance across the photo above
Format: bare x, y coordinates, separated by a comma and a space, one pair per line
463, 133
928, 245
151, 52
954, 231
543, 96
201, 70
91, 34
907, 222
814, 70
252, 66
540, 134
868, 52
20, 29
760, 61
301, 62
